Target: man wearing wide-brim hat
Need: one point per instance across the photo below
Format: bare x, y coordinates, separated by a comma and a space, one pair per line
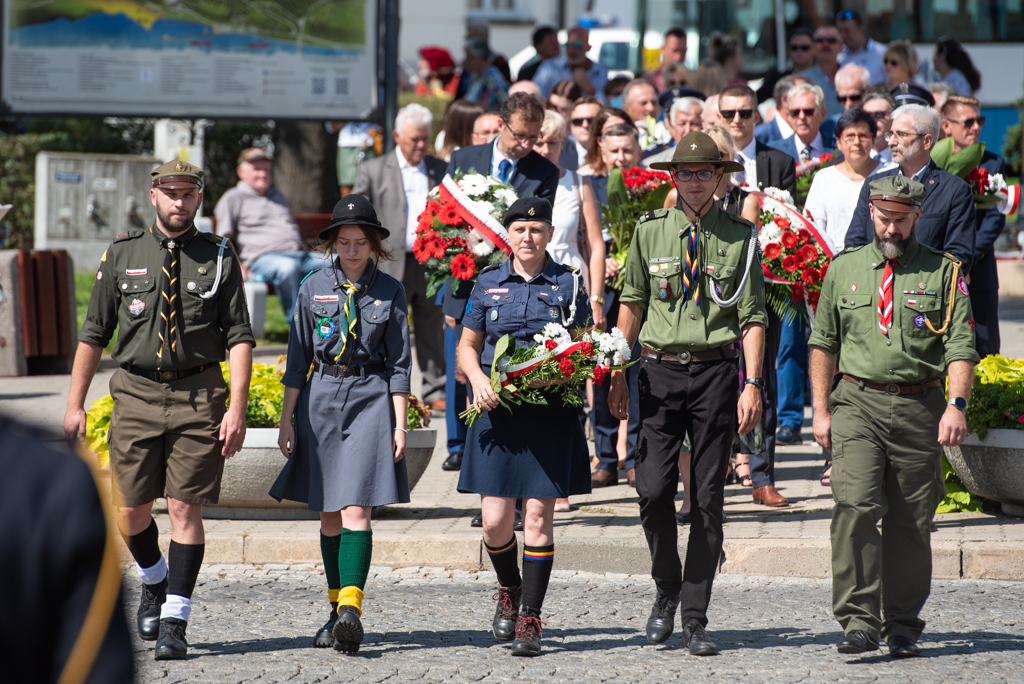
900, 314
695, 270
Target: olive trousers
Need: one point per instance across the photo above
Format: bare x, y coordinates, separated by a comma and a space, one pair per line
886, 467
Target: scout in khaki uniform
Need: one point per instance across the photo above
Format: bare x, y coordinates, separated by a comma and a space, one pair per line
175, 297
696, 271
900, 313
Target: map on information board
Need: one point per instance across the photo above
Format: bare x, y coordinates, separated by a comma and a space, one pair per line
190, 58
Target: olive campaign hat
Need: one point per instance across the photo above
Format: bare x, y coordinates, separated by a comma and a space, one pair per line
529, 209
911, 93
177, 172
697, 148
896, 193
354, 210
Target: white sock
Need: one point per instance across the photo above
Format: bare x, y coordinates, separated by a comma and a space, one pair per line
176, 607
153, 575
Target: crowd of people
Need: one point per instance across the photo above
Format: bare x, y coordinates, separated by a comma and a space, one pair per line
713, 360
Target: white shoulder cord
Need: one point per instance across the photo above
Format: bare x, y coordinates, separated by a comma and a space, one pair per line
751, 248
220, 267
575, 291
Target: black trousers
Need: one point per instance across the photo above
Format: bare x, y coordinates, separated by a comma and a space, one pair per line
699, 400
985, 307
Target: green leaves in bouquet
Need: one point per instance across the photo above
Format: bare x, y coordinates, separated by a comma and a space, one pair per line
435, 281
780, 299
500, 351
961, 163
620, 216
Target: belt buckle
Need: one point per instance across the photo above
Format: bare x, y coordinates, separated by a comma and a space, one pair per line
683, 357
167, 376
892, 388
342, 371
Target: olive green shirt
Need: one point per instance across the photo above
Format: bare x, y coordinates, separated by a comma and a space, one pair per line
126, 296
658, 252
848, 320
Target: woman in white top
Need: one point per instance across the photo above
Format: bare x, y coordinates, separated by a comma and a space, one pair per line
955, 66
835, 190
573, 196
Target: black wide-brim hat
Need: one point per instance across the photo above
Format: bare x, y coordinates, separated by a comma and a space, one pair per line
354, 210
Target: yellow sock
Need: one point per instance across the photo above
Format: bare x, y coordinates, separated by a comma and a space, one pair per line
351, 596
332, 596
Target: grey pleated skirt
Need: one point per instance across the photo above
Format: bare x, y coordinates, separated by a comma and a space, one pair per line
343, 455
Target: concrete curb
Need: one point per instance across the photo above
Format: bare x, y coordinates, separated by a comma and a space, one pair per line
808, 558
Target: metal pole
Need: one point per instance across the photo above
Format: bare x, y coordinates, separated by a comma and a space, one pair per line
641, 29
780, 35
391, 27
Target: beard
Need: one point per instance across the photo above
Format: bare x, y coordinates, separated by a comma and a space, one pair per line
893, 248
175, 224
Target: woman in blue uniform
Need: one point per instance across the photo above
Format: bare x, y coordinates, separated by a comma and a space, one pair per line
350, 325
536, 452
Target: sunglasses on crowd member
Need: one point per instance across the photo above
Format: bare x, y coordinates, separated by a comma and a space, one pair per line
879, 115
578, 44
893, 62
808, 112
730, 114
845, 15
582, 121
831, 40
800, 47
969, 123
856, 97
704, 175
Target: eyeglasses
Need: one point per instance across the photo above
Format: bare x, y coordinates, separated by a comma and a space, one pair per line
969, 123
901, 135
856, 97
578, 44
851, 138
704, 175
893, 62
879, 115
808, 112
827, 39
730, 114
800, 47
522, 138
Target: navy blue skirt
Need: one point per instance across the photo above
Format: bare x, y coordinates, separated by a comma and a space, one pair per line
531, 451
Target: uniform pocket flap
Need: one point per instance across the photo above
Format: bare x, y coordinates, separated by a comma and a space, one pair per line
718, 270
553, 298
136, 284
197, 287
854, 301
325, 305
923, 303
375, 311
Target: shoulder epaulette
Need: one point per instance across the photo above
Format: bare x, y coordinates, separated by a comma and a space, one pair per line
950, 257
488, 269
569, 268
743, 221
129, 235
657, 213
309, 274
849, 250
215, 239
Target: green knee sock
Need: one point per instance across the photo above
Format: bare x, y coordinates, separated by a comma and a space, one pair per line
354, 565
329, 547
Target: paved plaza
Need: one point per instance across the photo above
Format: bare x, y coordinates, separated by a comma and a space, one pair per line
255, 624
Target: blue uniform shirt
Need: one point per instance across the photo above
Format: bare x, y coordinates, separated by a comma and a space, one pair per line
504, 303
381, 333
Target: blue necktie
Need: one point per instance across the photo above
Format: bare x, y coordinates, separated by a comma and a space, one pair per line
504, 170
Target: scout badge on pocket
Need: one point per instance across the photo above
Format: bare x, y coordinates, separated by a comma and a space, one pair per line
664, 289
325, 328
136, 307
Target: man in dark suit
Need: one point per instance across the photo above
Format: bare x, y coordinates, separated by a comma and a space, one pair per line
511, 158
948, 220
962, 121
764, 167
806, 106
779, 127
397, 185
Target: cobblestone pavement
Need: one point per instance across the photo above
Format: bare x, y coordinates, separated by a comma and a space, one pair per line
254, 624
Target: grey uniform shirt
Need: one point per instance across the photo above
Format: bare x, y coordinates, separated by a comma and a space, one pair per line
257, 224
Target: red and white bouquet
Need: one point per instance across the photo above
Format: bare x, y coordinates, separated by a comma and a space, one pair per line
631, 194
991, 190
796, 257
460, 231
554, 363
805, 173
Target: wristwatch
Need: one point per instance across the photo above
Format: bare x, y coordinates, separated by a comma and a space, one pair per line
597, 298
958, 402
757, 382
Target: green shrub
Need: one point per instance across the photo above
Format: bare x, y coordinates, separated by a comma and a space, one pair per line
997, 398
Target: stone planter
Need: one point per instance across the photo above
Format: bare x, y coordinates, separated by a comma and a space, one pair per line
249, 474
993, 468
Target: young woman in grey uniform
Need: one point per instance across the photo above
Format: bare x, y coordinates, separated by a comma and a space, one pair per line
350, 325
536, 452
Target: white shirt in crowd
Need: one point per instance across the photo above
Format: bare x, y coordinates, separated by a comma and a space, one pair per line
416, 186
831, 202
581, 152
496, 158
817, 146
748, 157
785, 130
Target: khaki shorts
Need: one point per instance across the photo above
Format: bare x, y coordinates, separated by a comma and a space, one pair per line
164, 438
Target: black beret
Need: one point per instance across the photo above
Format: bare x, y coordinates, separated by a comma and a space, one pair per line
672, 94
529, 209
911, 93
354, 210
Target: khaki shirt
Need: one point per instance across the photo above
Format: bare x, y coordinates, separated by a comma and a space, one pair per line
126, 297
847, 319
658, 252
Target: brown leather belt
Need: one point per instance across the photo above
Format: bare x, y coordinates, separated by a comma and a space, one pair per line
895, 388
686, 357
167, 376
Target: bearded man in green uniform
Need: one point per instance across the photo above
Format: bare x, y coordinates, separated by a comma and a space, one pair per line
900, 314
696, 271
175, 297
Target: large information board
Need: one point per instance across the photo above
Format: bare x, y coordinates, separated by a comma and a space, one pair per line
304, 59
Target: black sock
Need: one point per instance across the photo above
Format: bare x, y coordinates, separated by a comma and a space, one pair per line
183, 563
144, 546
537, 562
505, 559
